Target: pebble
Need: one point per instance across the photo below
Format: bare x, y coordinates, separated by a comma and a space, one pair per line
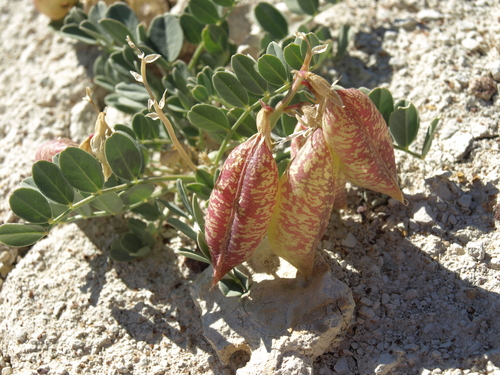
470, 44
350, 241
475, 250
465, 200
494, 68
482, 87
342, 367
390, 35
423, 214
409, 24
466, 26
495, 263
386, 363
5, 256
366, 312
429, 15
7, 371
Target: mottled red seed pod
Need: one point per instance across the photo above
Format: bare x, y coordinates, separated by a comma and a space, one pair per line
358, 134
51, 148
305, 200
241, 204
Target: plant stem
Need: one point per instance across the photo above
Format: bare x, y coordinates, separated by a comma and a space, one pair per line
240, 120
166, 122
118, 188
414, 154
196, 55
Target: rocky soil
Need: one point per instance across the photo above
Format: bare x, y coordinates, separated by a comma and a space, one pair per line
425, 277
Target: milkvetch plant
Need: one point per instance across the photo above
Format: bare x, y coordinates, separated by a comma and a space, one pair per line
226, 148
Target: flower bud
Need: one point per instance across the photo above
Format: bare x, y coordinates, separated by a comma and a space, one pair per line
53, 147
242, 201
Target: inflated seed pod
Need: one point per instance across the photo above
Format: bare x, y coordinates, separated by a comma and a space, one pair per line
53, 147
305, 201
340, 193
357, 133
242, 201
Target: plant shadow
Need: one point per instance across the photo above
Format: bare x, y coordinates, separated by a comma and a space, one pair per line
417, 306
368, 66
146, 297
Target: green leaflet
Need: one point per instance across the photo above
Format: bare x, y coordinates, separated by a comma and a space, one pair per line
137, 193
20, 235
384, 102
204, 11
81, 170
404, 123
30, 205
271, 20
209, 118
124, 157
245, 69
230, 89
272, 70
51, 182
165, 32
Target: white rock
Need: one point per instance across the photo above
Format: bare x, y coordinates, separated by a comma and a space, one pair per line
390, 35
342, 367
494, 68
456, 249
470, 44
386, 363
466, 26
465, 200
475, 250
458, 144
408, 24
422, 214
284, 324
350, 241
495, 263
83, 117
429, 15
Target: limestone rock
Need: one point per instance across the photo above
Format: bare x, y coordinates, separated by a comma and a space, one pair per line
284, 323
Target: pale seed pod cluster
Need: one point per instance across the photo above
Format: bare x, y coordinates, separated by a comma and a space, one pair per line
343, 138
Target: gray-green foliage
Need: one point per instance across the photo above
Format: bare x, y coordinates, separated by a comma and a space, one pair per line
211, 102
